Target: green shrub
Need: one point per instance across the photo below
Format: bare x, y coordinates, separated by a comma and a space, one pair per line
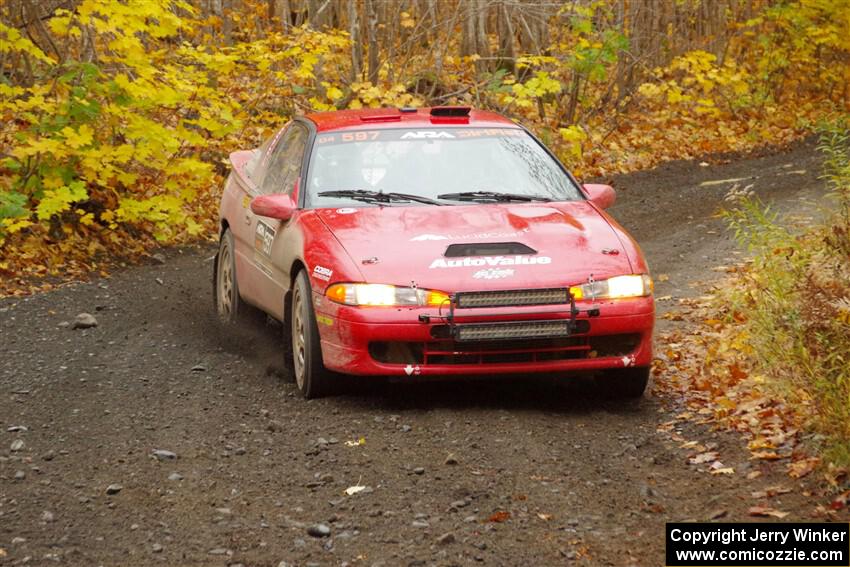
794, 299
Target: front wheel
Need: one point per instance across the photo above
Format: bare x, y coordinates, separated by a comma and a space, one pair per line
311, 376
624, 382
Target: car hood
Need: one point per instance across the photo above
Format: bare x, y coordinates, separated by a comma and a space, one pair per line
400, 245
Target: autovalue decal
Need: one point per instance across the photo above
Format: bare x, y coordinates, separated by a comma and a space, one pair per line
490, 261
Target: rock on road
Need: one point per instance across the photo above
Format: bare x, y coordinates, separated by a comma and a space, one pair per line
152, 438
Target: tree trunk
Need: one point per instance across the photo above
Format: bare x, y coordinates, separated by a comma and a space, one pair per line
507, 53
372, 32
621, 55
356, 45
280, 10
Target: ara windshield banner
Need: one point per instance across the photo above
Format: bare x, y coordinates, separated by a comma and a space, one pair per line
758, 544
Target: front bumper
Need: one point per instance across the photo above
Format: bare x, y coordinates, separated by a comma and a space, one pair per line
396, 342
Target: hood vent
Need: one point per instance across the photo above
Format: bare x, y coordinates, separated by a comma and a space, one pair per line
487, 249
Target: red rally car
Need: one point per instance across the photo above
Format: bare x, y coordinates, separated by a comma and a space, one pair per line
431, 241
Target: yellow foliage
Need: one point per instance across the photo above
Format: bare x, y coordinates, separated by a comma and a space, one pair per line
11, 40
139, 132
574, 136
59, 200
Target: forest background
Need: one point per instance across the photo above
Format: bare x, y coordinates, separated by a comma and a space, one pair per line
118, 118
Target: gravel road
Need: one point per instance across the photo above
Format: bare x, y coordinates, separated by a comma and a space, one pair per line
154, 439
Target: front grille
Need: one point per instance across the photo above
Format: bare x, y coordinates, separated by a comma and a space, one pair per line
512, 297
501, 352
502, 331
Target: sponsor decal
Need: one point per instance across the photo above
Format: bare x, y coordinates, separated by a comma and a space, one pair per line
264, 268
490, 261
473, 236
411, 369
263, 239
423, 237
346, 211
246, 200
493, 274
359, 136
322, 273
324, 320
426, 135
628, 360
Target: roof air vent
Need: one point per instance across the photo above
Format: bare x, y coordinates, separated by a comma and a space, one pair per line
451, 111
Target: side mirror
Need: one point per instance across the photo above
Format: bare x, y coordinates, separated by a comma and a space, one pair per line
603, 196
280, 207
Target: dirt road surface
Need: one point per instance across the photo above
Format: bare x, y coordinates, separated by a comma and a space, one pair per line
154, 439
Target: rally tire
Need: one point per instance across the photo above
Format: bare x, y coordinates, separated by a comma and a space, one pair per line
229, 305
311, 377
624, 383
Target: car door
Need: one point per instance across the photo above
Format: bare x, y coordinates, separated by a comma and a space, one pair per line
248, 170
282, 171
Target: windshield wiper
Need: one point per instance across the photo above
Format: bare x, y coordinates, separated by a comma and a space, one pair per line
378, 196
491, 196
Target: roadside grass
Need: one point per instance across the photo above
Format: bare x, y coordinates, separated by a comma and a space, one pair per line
769, 352
793, 301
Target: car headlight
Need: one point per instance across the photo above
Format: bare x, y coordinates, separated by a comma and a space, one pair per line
638, 285
382, 295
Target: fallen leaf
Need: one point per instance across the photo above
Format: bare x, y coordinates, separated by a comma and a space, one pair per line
760, 443
356, 443
736, 372
703, 458
723, 470
545, 517
770, 492
835, 475
721, 181
717, 514
499, 516
753, 475
840, 501
801, 468
354, 489
766, 455
764, 511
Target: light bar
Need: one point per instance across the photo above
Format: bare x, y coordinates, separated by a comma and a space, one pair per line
504, 331
510, 298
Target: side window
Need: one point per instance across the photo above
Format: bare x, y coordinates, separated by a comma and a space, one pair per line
254, 167
285, 163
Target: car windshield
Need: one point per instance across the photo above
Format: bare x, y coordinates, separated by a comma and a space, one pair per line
452, 166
